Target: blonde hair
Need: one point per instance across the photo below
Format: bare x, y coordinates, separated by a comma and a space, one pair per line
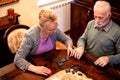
46, 15
103, 5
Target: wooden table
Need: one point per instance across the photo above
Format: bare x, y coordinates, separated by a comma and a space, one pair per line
50, 60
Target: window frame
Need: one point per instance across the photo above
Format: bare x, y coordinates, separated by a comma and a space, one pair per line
45, 2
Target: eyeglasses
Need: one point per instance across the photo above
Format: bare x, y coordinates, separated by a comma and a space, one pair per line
52, 30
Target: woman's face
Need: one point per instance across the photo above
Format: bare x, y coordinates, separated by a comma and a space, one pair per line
50, 27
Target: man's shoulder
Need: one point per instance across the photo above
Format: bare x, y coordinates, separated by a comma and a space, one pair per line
115, 24
91, 22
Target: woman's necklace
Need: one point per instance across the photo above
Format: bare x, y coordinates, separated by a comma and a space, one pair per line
44, 36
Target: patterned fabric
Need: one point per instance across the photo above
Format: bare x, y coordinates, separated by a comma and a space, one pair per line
14, 39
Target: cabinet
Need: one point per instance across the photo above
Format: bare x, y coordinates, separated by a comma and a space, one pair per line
5, 23
82, 12
5, 55
80, 15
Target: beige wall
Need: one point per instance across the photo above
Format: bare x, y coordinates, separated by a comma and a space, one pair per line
28, 10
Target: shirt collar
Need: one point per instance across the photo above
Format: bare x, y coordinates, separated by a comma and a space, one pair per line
105, 28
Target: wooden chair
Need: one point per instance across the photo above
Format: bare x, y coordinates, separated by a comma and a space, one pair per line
13, 37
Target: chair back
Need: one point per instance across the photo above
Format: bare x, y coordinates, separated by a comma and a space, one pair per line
13, 37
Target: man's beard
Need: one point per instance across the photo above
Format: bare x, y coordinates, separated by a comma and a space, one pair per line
101, 24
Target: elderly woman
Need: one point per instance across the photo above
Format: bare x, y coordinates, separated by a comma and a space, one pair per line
40, 39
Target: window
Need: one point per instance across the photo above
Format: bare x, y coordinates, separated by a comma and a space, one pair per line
43, 2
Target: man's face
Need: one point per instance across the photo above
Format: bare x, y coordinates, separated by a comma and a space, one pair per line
101, 17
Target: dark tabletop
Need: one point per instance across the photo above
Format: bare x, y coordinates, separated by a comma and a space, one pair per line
57, 60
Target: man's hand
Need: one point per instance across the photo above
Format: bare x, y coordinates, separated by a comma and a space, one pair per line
102, 61
77, 52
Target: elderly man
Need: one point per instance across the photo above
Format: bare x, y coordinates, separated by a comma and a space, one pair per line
101, 37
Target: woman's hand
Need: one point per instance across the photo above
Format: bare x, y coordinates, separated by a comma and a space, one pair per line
69, 50
40, 70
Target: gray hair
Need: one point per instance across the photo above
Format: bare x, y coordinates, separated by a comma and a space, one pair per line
103, 5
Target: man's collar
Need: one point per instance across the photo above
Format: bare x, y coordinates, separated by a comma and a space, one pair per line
106, 28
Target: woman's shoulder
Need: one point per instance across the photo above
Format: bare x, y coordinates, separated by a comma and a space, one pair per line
33, 30
59, 31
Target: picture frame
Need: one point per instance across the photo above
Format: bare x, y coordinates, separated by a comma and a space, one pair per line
3, 2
